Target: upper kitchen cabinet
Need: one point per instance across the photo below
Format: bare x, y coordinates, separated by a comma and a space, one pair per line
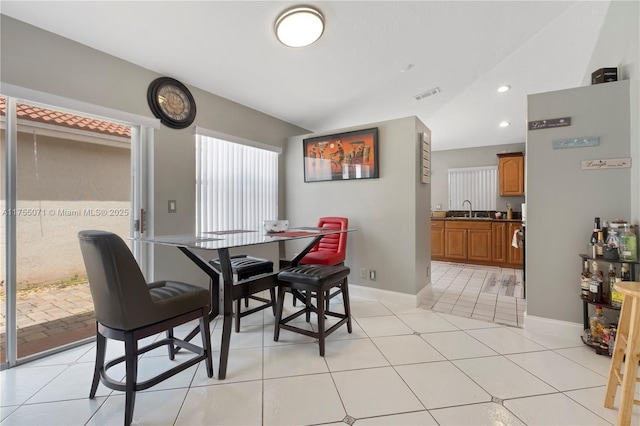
511, 174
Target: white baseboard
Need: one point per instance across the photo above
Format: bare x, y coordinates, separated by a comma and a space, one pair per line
384, 295
549, 325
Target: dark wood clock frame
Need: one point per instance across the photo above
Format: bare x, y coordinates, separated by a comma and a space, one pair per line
156, 108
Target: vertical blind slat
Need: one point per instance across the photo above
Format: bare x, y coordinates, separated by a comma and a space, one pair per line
479, 186
236, 185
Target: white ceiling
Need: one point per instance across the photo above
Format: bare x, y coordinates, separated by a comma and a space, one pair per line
354, 74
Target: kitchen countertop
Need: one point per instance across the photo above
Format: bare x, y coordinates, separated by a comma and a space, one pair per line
474, 219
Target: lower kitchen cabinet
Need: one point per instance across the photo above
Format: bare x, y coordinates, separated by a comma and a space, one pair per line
455, 244
437, 238
483, 242
479, 244
498, 238
514, 254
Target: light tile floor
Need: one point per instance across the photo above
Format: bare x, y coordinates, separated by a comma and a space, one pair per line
456, 289
400, 366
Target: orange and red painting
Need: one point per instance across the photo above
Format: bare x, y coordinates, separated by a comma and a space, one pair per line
343, 156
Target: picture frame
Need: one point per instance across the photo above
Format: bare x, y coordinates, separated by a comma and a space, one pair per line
342, 156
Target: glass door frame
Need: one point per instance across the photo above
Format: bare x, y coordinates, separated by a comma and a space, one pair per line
142, 136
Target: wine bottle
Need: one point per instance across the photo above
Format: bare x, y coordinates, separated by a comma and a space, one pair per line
596, 228
628, 245
600, 245
625, 275
598, 323
595, 285
611, 280
616, 296
585, 280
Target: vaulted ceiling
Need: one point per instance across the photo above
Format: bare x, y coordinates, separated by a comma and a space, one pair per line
372, 61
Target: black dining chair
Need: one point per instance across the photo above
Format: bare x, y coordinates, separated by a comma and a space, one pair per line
128, 309
244, 267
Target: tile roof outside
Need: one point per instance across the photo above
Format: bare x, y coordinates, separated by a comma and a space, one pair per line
44, 115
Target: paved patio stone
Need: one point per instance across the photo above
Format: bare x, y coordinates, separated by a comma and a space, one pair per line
45, 313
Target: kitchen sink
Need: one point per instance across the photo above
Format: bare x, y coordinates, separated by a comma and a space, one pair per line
469, 218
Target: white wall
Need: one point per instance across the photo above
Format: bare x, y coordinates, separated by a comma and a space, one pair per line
563, 199
391, 213
42, 61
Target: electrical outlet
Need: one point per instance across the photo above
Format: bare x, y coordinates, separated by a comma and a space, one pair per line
364, 273
372, 275
438, 206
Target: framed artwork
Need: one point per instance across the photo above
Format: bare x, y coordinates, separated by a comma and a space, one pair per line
343, 156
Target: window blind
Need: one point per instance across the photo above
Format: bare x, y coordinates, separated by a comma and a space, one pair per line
476, 184
236, 185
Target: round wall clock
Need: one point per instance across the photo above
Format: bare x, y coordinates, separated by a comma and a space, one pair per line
171, 102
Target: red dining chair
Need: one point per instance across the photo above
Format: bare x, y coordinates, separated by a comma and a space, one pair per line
331, 250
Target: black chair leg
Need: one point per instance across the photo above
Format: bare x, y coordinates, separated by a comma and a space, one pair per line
246, 302
206, 342
272, 291
131, 367
345, 301
279, 308
307, 296
321, 336
170, 346
101, 347
238, 315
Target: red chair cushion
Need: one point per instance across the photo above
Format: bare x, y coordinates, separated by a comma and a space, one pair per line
332, 249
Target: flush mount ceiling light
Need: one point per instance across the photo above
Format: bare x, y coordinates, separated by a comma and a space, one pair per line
299, 26
503, 89
505, 124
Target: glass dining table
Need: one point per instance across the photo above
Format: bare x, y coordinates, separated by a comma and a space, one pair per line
222, 241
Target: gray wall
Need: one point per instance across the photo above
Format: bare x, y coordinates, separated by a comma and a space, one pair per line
563, 199
391, 213
619, 46
441, 161
39, 60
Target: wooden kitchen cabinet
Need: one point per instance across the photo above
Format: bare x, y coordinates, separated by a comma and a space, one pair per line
498, 240
514, 255
511, 174
455, 246
437, 239
468, 240
479, 244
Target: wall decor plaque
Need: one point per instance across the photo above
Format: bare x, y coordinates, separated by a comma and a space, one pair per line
611, 163
550, 123
575, 142
426, 157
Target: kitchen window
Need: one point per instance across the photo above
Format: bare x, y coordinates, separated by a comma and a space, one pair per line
479, 185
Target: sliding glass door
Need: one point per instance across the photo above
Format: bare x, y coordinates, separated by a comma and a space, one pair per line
72, 172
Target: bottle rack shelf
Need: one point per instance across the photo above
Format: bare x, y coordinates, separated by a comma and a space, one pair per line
596, 347
586, 302
602, 259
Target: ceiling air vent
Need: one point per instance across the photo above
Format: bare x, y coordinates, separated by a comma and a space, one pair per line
428, 93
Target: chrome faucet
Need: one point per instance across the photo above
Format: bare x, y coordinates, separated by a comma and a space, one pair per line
467, 201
